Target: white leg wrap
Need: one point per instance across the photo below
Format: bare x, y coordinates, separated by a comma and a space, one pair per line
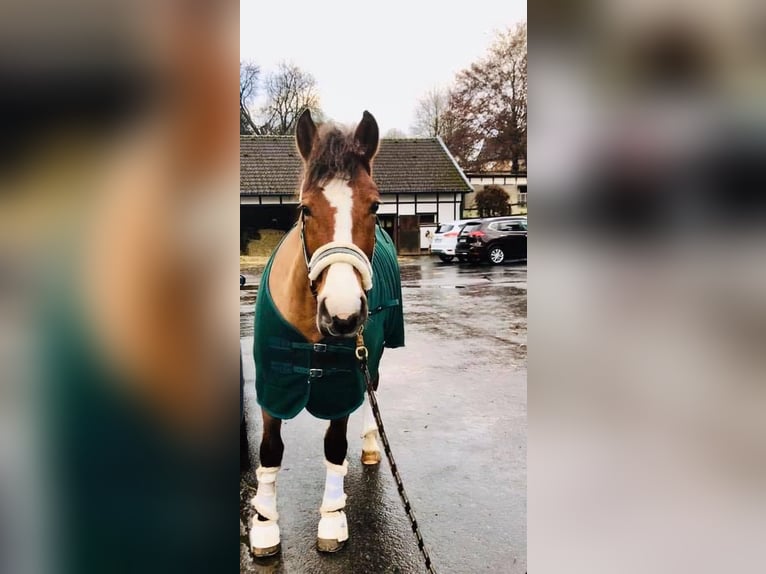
264, 534
369, 425
334, 498
370, 448
333, 526
370, 442
265, 499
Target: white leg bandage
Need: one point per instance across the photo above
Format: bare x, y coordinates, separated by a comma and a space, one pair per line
370, 443
333, 527
264, 534
368, 425
334, 498
369, 430
265, 499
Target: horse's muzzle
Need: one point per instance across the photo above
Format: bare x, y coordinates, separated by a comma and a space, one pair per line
336, 326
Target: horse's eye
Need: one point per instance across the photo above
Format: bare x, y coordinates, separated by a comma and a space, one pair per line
374, 207
305, 211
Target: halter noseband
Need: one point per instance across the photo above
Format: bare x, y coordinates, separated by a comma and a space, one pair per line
336, 252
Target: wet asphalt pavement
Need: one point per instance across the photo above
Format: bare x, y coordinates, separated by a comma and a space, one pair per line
454, 405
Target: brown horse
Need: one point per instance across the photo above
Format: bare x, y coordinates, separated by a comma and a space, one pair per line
315, 296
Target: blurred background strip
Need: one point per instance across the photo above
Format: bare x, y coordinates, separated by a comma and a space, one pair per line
118, 235
647, 281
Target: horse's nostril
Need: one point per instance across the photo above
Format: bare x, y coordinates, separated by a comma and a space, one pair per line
345, 326
322, 310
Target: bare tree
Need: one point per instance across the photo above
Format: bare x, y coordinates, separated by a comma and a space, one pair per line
430, 120
248, 89
488, 107
289, 91
395, 133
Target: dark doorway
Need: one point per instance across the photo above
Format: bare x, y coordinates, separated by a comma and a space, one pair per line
268, 216
409, 235
255, 218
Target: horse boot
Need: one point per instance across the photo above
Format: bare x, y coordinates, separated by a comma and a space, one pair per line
370, 448
264, 530
333, 528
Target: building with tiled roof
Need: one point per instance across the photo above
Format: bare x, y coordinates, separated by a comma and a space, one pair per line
513, 183
419, 182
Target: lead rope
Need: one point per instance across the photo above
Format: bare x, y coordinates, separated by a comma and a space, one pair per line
361, 355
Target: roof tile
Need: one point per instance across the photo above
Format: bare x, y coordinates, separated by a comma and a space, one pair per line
270, 165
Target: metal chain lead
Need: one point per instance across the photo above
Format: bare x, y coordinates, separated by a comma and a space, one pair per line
361, 354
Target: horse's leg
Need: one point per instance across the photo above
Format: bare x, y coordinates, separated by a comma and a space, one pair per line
333, 528
244, 447
370, 448
264, 530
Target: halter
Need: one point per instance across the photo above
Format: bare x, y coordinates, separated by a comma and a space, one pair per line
336, 252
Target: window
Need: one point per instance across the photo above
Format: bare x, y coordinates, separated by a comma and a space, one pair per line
522, 195
427, 218
444, 228
470, 227
508, 226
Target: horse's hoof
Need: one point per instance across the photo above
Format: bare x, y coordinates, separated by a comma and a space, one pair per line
264, 537
329, 546
370, 457
266, 552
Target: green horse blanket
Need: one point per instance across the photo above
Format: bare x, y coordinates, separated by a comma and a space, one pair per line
324, 378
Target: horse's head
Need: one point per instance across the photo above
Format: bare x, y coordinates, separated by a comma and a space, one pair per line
338, 205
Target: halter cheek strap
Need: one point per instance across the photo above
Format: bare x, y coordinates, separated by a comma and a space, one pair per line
337, 252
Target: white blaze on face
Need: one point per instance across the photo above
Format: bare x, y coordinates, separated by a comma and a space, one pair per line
341, 287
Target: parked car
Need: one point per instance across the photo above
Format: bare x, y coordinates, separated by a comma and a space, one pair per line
495, 239
445, 238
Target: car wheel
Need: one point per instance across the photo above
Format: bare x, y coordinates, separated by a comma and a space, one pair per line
496, 255
462, 258
446, 258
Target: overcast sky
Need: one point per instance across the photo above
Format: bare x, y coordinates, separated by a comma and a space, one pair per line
380, 56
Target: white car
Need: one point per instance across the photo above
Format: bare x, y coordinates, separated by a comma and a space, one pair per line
445, 238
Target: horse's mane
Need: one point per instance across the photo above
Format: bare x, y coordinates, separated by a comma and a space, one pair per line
336, 154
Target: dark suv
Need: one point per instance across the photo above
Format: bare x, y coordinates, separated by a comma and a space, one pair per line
496, 239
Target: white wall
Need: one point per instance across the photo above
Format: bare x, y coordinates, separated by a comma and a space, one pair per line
387, 208
426, 207
267, 200
448, 212
448, 208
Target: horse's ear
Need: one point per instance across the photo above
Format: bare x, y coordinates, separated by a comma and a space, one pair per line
305, 132
366, 135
